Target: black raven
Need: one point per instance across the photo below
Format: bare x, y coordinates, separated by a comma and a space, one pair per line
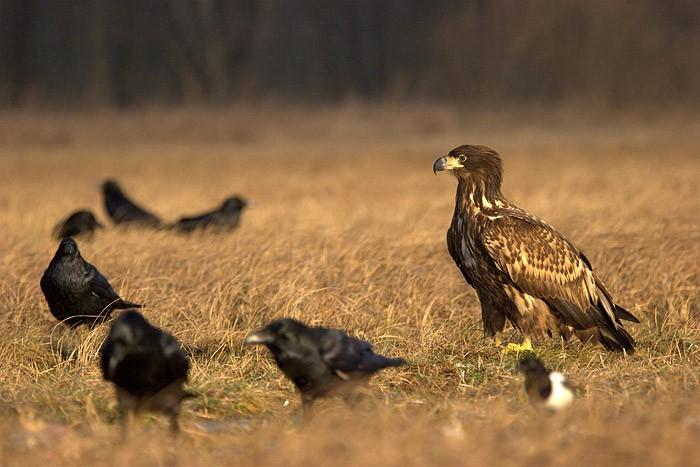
124, 211
544, 388
147, 367
320, 361
224, 218
78, 223
76, 291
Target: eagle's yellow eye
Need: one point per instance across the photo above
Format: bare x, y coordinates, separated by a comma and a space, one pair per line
462, 158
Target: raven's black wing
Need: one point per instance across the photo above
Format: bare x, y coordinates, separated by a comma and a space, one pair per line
177, 362
347, 354
98, 284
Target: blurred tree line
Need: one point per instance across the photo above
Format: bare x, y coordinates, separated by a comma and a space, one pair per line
131, 52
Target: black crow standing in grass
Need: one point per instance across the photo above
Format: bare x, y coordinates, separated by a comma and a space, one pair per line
79, 223
224, 218
320, 361
147, 367
75, 290
544, 388
124, 211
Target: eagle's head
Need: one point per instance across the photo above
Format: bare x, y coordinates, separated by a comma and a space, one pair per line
469, 162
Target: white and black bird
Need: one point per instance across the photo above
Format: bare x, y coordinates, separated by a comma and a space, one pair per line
147, 367
320, 361
548, 389
75, 290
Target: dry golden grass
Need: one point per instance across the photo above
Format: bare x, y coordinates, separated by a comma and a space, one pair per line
348, 231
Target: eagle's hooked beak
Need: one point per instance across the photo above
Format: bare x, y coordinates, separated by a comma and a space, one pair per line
446, 163
439, 165
261, 336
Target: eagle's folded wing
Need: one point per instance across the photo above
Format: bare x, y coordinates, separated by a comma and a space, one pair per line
542, 263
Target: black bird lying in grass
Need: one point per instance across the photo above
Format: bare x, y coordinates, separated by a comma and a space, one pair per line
224, 218
75, 290
79, 223
319, 361
147, 367
544, 388
122, 210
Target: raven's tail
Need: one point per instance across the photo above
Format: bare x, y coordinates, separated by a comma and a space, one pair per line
389, 362
123, 305
373, 362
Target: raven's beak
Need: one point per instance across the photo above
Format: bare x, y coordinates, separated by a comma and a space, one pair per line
261, 336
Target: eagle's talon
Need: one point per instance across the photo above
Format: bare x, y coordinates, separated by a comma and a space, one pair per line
512, 347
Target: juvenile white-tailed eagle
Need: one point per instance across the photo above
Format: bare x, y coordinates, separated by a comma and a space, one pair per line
521, 268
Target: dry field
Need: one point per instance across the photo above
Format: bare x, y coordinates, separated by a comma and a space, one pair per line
348, 230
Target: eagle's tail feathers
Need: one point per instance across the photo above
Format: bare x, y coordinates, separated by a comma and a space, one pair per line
617, 310
621, 313
616, 339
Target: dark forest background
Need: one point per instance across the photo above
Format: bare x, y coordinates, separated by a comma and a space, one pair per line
136, 52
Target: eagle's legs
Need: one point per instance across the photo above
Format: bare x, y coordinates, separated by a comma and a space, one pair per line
512, 347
